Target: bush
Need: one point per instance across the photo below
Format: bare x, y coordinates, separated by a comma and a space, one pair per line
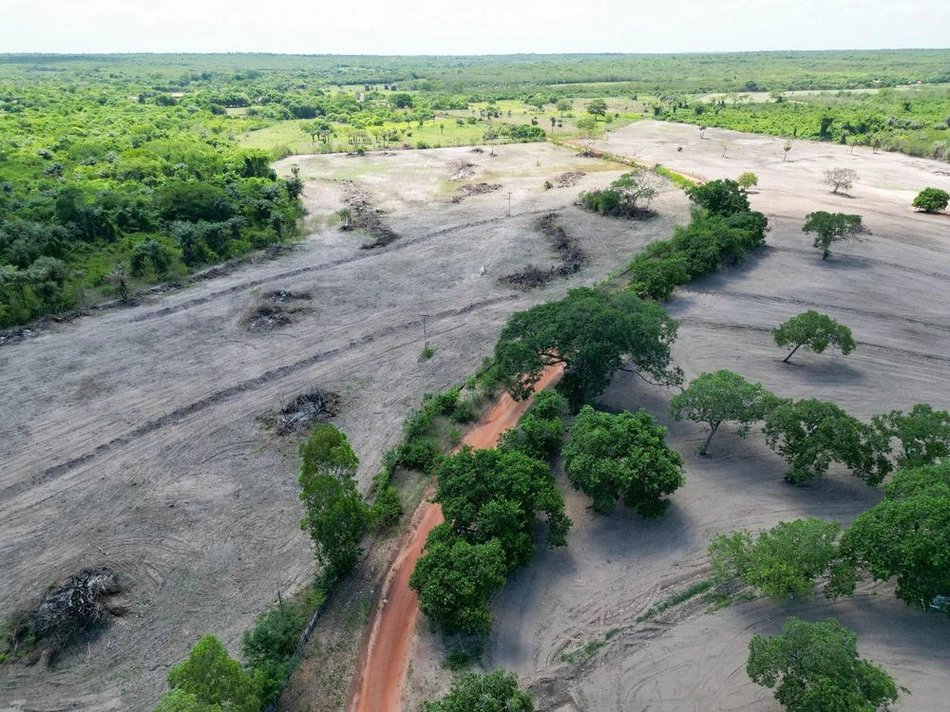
931, 200
387, 509
419, 455
271, 646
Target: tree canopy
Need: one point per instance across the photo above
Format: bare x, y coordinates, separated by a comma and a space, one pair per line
829, 227
815, 666
907, 535
336, 514
210, 679
931, 200
610, 457
815, 332
924, 434
723, 197
492, 692
593, 334
811, 434
723, 396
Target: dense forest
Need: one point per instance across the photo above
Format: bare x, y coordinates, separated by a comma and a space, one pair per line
118, 171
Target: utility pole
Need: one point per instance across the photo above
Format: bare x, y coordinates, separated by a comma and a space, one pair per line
509, 205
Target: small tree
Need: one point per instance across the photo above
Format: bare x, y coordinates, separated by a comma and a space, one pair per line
840, 178
713, 398
815, 332
816, 667
597, 107
720, 197
786, 148
493, 692
564, 106
747, 180
924, 434
613, 456
210, 677
337, 516
783, 562
829, 227
455, 580
908, 535
931, 200
811, 434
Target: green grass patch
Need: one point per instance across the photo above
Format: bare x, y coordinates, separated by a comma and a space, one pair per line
676, 599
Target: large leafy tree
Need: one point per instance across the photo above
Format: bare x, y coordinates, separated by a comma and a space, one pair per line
924, 434
783, 562
495, 495
610, 457
829, 227
594, 334
723, 396
336, 514
493, 692
455, 580
211, 679
540, 432
811, 434
815, 666
720, 197
931, 200
815, 332
907, 535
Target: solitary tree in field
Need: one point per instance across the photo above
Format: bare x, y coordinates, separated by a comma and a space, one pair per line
829, 227
931, 200
815, 332
815, 666
747, 180
787, 147
597, 107
564, 106
715, 398
840, 178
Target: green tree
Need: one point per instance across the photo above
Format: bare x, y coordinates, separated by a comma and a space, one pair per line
214, 678
657, 278
270, 647
931, 200
723, 396
924, 434
829, 227
783, 562
455, 580
815, 666
181, 701
540, 432
720, 197
811, 434
492, 692
815, 332
907, 535
622, 456
594, 334
337, 516
747, 180
496, 494
597, 107
564, 106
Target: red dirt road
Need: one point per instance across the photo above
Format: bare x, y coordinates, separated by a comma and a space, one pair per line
394, 622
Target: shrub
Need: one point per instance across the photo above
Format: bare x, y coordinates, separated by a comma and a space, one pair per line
931, 200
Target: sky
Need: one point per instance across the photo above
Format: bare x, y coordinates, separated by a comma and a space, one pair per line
472, 27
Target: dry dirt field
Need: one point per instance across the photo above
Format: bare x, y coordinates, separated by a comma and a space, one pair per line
130, 438
892, 289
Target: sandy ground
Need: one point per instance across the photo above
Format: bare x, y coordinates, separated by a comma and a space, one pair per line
891, 289
130, 438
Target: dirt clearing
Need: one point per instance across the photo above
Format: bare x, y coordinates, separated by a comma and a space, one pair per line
130, 439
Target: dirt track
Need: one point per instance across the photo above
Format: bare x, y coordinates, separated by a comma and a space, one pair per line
130, 438
393, 625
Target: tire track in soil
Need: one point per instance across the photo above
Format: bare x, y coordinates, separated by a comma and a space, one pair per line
176, 415
384, 659
363, 255
806, 303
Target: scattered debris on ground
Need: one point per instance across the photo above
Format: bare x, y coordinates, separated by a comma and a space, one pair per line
303, 412
470, 189
265, 317
568, 180
571, 256
86, 601
463, 169
359, 213
283, 296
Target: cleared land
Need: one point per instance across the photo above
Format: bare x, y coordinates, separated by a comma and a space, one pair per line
131, 439
891, 288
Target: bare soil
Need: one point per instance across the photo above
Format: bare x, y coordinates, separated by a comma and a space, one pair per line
891, 288
131, 438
